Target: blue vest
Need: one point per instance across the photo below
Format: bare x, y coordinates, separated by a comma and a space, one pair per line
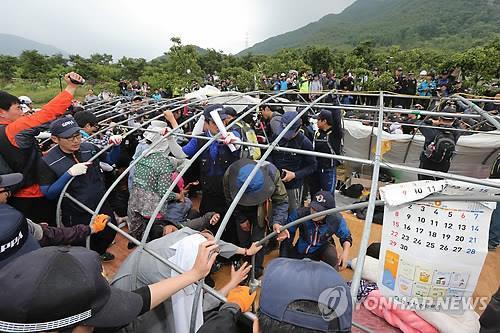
88, 188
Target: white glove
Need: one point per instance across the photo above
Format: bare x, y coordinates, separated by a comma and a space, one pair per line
230, 138
115, 140
198, 128
105, 167
78, 169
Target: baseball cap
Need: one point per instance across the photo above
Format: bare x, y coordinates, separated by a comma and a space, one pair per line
322, 200
15, 238
325, 115
137, 98
230, 111
64, 127
289, 280
260, 188
25, 100
214, 107
448, 109
10, 179
278, 124
57, 287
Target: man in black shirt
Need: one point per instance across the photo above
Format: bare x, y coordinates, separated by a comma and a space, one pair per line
327, 139
439, 145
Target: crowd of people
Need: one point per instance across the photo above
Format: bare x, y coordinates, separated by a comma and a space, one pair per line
53, 287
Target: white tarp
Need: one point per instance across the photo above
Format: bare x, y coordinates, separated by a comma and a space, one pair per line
474, 153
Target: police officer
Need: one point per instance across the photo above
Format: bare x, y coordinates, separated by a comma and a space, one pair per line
70, 158
294, 167
213, 164
327, 139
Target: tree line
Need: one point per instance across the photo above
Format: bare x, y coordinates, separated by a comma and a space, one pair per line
181, 64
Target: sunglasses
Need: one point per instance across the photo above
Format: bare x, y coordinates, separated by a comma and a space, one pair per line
75, 137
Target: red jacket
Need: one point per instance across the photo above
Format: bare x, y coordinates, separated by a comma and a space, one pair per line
19, 133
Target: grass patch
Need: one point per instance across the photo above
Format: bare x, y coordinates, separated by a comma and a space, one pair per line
40, 94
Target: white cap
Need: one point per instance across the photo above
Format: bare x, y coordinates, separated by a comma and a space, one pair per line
25, 100
423, 73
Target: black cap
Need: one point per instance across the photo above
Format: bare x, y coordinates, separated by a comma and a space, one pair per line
15, 239
137, 98
322, 200
448, 109
214, 107
230, 111
325, 115
58, 287
64, 127
83, 118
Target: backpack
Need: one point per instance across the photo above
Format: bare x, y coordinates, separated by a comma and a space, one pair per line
248, 135
442, 148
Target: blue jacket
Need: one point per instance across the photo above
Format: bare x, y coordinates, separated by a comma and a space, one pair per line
314, 235
214, 162
425, 88
283, 85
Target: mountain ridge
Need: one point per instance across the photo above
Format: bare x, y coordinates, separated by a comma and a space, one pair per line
457, 24
14, 45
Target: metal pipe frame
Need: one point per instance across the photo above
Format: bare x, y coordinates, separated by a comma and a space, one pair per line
160, 205
375, 109
427, 126
273, 146
104, 102
391, 166
181, 173
371, 206
393, 94
134, 162
483, 113
240, 193
167, 262
61, 196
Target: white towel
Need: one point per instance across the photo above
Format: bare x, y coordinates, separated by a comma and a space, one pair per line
186, 251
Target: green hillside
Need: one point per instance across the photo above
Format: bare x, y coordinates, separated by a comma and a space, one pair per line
451, 24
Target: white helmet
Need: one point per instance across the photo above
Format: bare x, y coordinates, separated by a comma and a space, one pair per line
25, 100
423, 73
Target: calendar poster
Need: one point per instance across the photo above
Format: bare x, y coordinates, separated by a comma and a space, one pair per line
432, 252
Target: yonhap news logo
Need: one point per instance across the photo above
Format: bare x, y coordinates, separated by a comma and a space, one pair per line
333, 302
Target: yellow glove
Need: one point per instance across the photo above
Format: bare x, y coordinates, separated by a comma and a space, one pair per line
241, 296
99, 223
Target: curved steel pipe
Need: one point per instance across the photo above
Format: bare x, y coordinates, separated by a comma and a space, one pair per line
387, 165
181, 173
491, 198
61, 196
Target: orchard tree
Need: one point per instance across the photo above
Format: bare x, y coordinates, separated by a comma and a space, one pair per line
7, 67
33, 66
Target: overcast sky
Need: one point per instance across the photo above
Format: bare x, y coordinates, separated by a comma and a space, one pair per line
143, 28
